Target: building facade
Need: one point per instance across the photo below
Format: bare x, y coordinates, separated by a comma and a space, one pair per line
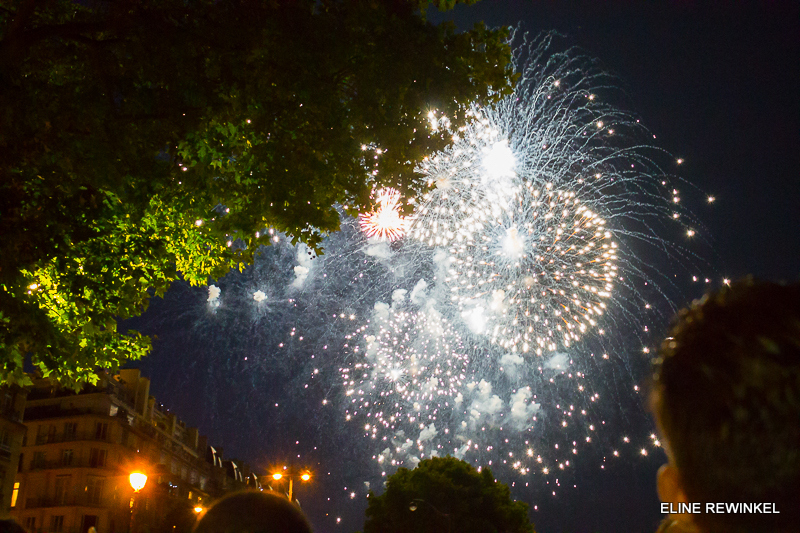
12, 433
80, 449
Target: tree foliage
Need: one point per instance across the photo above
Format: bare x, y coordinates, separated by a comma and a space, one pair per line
143, 141
445, 493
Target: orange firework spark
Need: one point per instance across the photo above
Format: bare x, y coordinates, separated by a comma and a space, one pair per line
385, 221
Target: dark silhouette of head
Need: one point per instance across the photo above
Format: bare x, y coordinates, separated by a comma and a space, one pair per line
726, 397
9, 526
253, 512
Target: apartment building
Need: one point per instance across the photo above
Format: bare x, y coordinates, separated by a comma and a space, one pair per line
80, 450
12, 432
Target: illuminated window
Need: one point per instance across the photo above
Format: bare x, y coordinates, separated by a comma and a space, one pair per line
15, 495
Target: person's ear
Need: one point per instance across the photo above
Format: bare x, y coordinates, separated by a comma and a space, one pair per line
669, 485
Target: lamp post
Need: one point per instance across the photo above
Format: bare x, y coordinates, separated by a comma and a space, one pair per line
412, 507
138, 481
277, 476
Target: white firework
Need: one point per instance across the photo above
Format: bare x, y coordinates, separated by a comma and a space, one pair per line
523, 237
468, 180
543, 266
406, 365
532, 202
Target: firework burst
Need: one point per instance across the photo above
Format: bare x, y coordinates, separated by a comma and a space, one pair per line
543, 267
495, 324
385, 222
408, 365
532, 202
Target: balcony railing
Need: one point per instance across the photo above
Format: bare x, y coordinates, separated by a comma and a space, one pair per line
75, 463
71, 437
82, 500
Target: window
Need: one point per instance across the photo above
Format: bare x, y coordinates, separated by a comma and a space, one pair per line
113, 410
101, 431
38, 460
15, 494
30, 523
66, 457
21, 459
88, 520
70, 430
41, 434
97, 458
94, 489
5, 439
45, 433
7, 401
61, 490
57, 524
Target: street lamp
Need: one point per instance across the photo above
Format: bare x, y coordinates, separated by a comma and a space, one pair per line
138, 481
412, 507
277, 476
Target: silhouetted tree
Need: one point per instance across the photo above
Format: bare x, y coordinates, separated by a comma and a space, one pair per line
444, 494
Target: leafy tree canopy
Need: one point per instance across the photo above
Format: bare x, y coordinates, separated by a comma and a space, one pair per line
445, 493
143, 141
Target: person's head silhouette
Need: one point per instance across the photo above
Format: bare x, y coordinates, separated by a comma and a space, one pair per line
253, 512
726, 397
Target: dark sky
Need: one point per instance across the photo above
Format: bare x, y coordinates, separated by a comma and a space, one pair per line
719, 86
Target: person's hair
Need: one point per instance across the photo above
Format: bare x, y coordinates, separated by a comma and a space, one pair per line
253, 511
727, 397
10, 526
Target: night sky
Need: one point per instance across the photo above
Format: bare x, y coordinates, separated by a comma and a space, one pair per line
718, 86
